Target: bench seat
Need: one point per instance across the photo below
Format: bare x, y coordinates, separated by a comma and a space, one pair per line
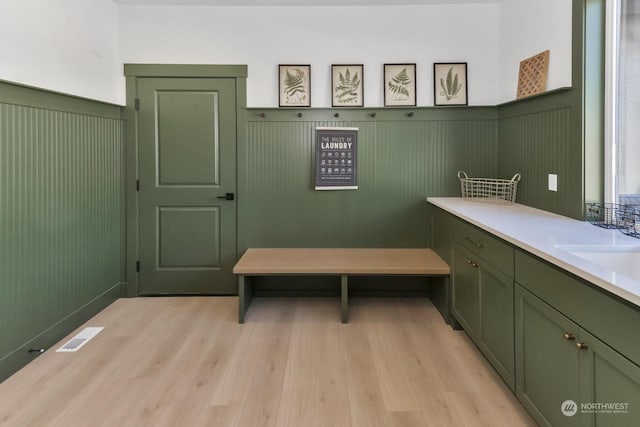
341, 262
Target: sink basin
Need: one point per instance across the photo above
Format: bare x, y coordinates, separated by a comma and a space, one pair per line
623, 259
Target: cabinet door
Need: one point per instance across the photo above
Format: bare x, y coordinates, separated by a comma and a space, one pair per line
547, 363
610, 386
496, 321
465, 295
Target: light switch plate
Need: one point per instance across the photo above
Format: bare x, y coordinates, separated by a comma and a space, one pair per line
553, 182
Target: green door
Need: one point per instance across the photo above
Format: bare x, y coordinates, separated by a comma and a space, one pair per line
187, 166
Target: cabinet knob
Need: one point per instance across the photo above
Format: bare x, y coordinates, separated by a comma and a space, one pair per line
476, 244
581, 346
569, 337
472, 263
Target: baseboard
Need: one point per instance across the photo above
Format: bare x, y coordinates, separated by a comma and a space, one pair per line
20, 357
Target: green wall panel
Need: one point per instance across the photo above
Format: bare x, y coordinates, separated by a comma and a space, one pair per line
61, 219
538, 143
400, 163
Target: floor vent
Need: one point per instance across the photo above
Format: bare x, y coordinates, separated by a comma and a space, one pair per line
83, 337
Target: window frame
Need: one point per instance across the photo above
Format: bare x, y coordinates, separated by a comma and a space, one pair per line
612, 37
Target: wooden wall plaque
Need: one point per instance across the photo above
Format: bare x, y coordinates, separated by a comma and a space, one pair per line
532, 78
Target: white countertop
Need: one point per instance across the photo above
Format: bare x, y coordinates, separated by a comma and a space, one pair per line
537, 232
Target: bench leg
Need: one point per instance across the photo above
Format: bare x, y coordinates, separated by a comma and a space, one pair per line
245, 295
345, 298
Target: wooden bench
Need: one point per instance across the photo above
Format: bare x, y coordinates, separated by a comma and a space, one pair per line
333, 262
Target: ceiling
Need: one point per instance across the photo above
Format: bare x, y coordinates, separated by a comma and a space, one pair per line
296, 2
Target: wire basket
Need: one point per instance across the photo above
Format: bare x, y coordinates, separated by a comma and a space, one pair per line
632, 222
623, 217
489, 189
606, 215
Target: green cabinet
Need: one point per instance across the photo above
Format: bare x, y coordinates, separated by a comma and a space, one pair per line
553, 337
465, 291
560, 365
604, 315
496, 321
482, 297
548, 369
610, 385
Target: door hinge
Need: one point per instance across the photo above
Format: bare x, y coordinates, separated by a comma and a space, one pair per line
137, 185
137, 104
137, 266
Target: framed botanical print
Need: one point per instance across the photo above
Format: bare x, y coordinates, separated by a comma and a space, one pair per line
399, 85
347, 85
294, 85
450, 83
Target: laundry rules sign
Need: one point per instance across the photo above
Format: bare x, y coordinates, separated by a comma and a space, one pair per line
336, 158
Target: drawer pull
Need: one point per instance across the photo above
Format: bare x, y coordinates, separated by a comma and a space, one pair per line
569, 337
581, 346
476, 244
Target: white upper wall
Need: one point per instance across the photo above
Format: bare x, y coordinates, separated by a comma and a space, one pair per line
79, 46
263, 37
298, 2
528, 28
68, 46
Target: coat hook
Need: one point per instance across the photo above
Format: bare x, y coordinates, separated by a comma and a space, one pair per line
263, 115
373, 114
299, 114
336, 115
410, 114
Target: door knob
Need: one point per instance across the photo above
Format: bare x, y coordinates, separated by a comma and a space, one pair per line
227, 196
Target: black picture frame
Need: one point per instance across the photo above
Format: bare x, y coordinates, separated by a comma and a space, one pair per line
294, 85
450, 84
347, 85
399, 85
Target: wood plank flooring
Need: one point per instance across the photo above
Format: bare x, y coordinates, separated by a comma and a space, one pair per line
185, 361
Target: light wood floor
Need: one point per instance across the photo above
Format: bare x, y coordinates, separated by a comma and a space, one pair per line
187, 362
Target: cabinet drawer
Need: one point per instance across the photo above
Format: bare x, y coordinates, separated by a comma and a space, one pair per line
606, 316
488, 247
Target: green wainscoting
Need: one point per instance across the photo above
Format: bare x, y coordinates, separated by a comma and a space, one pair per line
61, 217
402, 159
536, 137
